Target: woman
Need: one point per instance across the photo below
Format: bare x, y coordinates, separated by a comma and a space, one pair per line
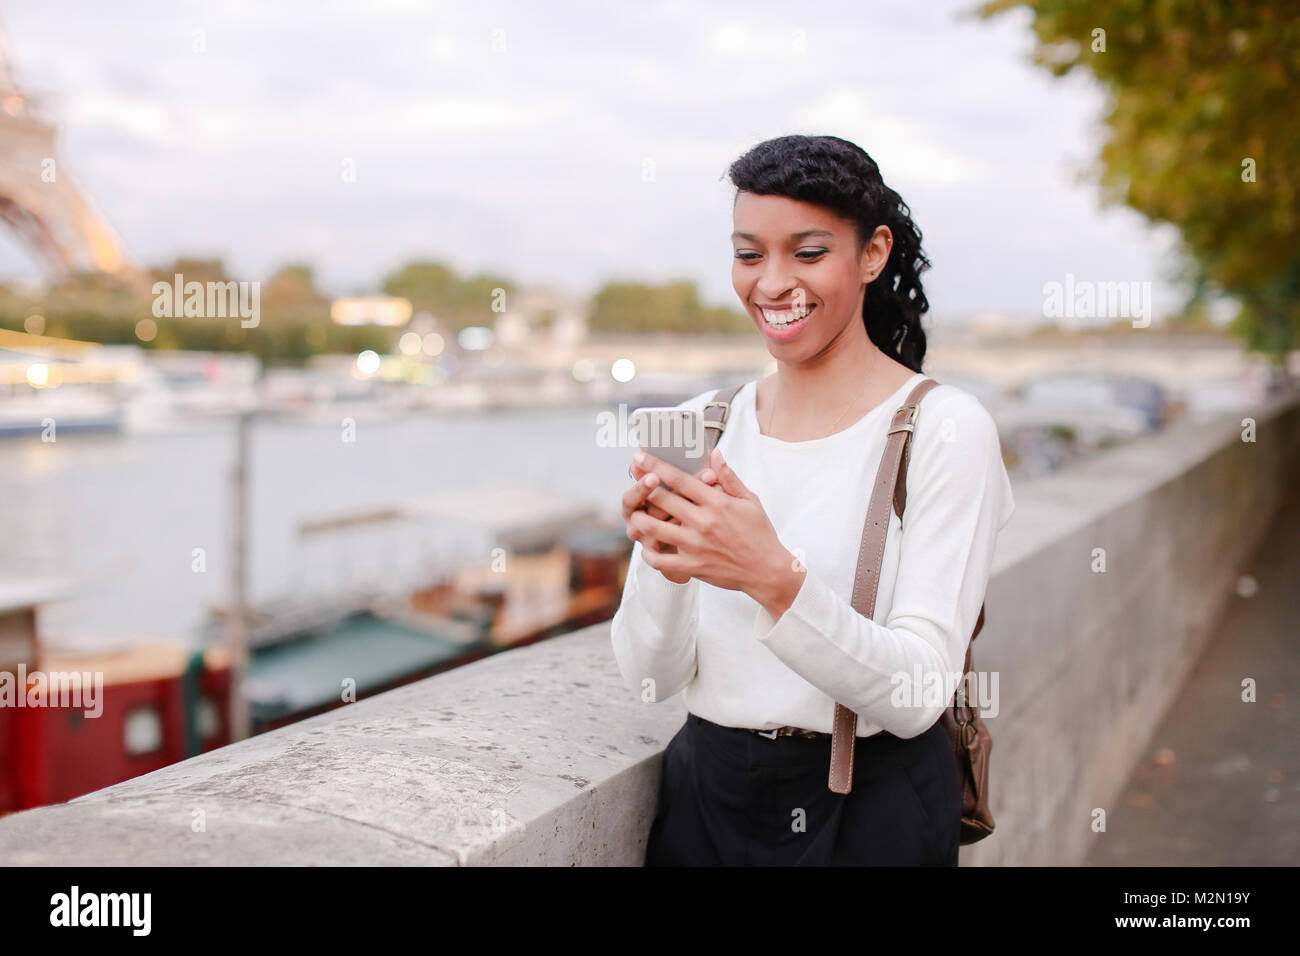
740, 584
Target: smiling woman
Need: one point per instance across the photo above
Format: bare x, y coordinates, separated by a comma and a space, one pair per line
859, 243
742, 589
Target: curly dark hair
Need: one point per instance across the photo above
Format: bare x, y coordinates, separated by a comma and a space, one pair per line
839, 175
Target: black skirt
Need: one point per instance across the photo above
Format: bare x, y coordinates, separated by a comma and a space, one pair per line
729, 797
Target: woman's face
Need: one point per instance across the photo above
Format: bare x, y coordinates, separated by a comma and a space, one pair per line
800, 259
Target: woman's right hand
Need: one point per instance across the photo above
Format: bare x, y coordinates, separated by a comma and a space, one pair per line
634, 499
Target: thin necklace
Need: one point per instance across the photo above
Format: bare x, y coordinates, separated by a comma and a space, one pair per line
772, 414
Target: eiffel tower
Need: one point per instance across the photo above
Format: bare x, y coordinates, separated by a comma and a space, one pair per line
50, 213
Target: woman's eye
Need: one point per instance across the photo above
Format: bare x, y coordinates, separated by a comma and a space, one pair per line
806, 255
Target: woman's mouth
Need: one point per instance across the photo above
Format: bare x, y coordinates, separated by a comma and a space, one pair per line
785, 323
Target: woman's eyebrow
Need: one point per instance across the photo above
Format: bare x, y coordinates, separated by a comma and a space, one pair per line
793, 235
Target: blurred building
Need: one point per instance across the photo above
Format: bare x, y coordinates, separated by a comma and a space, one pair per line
371, 310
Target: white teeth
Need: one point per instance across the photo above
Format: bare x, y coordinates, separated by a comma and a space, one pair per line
784, 316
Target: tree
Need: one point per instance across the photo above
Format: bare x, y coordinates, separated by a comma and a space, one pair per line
192, 269
629, 307
457, 303
293, 285
1202, 135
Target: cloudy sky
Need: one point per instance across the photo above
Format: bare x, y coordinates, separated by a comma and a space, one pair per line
513, 136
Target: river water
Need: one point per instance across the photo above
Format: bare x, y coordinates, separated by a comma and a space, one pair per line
122, 515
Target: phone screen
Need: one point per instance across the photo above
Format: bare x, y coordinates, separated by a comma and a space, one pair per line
674, 435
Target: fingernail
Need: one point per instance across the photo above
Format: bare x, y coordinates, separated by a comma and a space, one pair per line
639, 458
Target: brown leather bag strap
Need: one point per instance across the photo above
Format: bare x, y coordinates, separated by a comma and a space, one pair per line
890, 488
715, 421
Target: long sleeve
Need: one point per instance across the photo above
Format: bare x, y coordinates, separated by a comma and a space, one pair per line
958, 498
654, 631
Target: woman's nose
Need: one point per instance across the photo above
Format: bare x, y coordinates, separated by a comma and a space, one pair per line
775, 283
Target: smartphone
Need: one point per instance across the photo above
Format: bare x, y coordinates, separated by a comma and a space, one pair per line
674, 435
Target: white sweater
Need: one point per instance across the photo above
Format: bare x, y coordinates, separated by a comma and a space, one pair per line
741, 668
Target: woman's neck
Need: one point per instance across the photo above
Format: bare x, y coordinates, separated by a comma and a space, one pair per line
827, 393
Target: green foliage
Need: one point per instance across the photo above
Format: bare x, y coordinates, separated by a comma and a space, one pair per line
290, 297
1202, 99
294, 321
194, 270
455, 302
631, 307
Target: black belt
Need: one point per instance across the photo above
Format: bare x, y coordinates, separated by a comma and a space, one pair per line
790, 732
786, 731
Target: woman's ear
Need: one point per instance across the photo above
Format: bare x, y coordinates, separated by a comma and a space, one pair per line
875, 254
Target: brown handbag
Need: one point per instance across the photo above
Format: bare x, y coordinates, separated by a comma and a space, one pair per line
971, 741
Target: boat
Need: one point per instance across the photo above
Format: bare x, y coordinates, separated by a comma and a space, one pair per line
66, 411
76, 718
551, 567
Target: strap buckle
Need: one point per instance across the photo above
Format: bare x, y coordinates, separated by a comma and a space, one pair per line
910, 424
721, 422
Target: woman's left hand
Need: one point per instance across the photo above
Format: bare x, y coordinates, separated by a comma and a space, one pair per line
725, 537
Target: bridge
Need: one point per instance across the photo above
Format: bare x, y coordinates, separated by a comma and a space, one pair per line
542, 756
